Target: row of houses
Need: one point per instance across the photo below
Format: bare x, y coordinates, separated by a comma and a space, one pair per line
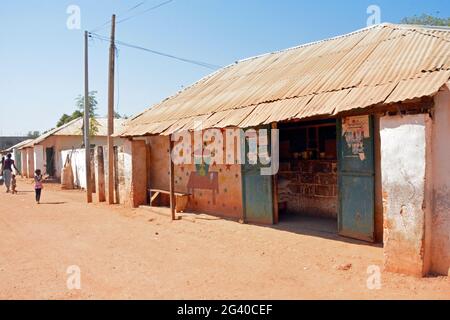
360, 123
46, 152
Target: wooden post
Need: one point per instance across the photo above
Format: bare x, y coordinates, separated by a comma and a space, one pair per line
101, 175
110, 142
93, 175
116, 174
172, 179
86, 125
274, 185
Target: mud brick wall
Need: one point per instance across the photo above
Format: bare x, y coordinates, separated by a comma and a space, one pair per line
309, 187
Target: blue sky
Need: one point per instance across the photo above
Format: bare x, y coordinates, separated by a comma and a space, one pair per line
41, 60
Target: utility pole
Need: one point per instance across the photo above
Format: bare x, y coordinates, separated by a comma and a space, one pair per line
112, 52
86, 125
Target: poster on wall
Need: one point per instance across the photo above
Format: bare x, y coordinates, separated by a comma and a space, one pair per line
355, 130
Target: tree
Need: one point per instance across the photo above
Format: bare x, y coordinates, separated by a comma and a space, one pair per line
33, 134
427, 20
79, 102
65, 118
119, 116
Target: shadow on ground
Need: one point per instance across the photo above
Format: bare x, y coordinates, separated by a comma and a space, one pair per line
315, 227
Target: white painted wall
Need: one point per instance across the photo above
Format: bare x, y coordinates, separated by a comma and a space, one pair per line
60, 143
30, 162
78, 166
403, 166
39, 158
125, 171
24, 161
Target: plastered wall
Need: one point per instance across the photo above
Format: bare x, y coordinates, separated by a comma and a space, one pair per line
404, 146
440, 221
65, 143
216, 189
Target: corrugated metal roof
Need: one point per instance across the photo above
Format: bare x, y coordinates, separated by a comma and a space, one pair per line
380, 64
74, 128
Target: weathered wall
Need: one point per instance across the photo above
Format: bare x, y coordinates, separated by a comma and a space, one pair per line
139, 180
159, 159
24, 162
403, 165
39, 158
78, 166
440, 222
217, 191
30, 162
60, 143
132, 169
125, 171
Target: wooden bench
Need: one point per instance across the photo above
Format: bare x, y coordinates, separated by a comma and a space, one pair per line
181, 199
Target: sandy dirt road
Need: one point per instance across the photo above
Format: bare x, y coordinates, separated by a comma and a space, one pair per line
124, 253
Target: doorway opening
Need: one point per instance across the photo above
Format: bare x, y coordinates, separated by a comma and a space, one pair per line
50, 161
308, 176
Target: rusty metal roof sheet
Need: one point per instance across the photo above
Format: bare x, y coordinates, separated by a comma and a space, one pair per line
381, 64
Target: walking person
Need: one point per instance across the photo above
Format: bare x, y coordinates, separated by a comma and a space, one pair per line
13, 184
8, 165
38, 185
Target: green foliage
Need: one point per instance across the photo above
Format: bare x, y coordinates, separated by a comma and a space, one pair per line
79, 103
427, 20
119, 116
33, 134
93, 123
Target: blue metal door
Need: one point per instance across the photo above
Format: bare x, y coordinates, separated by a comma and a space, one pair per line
356, 218
256, 188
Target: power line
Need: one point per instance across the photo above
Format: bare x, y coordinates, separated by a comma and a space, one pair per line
109, 21
136, 6
100, 27
145, 11
195, 62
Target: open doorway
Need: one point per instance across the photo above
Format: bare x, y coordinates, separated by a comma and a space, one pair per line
308, 175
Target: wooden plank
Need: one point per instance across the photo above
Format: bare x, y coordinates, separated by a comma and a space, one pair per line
153, 198
168, 192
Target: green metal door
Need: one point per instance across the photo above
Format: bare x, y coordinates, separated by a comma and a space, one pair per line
256, 188
356, 218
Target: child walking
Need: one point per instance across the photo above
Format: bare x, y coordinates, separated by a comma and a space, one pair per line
38, 185
13, 184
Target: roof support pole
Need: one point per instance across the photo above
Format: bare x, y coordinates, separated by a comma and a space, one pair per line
172, 180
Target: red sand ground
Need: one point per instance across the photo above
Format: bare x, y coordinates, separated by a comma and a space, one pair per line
124, 253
